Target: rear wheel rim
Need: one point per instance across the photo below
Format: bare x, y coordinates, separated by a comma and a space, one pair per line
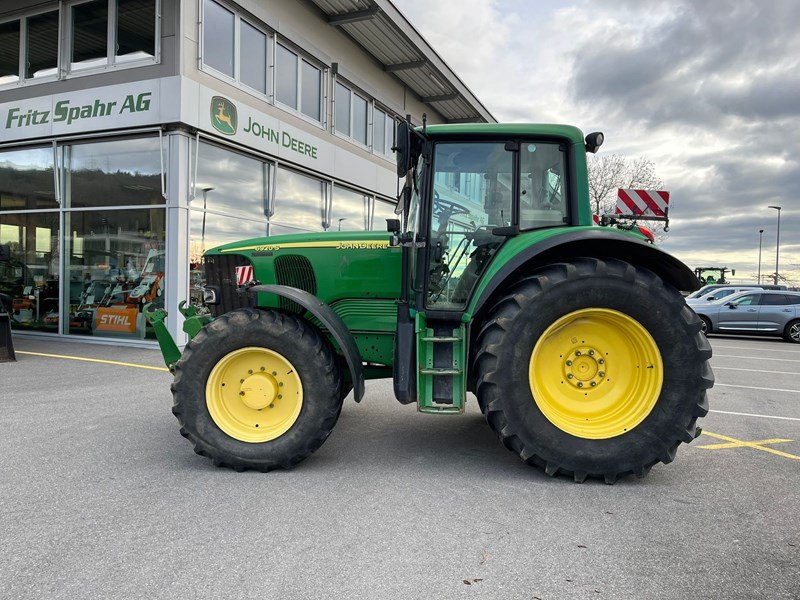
254, 394
596, 373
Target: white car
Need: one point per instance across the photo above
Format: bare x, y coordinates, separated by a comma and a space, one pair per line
718, 294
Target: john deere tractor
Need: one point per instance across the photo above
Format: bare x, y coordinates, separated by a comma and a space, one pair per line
574, 338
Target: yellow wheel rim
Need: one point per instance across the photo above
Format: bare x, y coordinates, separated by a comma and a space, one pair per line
596, 373
254, 394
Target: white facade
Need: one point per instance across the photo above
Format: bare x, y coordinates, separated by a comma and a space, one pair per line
134, 147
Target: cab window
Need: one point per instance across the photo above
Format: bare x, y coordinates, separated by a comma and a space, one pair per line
542, 185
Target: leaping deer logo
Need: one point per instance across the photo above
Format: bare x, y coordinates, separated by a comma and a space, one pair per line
223, 115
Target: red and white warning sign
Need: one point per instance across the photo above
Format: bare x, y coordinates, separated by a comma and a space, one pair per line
642, 202
244, 275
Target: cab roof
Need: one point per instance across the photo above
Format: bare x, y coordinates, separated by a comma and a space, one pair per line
570, 132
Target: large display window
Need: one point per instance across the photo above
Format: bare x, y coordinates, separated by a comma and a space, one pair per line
349, 210
29, 268
299, 201
115, 265
112, 173
230, 183
27, 181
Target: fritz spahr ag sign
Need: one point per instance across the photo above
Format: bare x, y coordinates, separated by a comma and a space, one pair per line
110, 107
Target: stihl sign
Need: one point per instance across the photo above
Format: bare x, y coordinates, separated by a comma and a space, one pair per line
122, 320
642, 202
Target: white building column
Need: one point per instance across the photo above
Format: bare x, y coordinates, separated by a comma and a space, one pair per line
178, 190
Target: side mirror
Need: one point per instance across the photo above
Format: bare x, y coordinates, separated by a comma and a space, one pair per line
393, 225
733, 272
731, 305
402, 148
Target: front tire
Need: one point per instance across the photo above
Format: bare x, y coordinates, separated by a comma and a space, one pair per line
593, 368
257, 389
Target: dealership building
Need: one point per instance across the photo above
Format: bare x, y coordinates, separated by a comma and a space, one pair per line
136, 134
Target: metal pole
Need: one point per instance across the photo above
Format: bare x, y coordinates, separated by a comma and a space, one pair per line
760, 237
777, 242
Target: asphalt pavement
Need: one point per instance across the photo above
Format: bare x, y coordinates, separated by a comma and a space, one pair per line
101, 498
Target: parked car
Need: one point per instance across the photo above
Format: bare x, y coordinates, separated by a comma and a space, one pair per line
719, 294
762, 312
707, 289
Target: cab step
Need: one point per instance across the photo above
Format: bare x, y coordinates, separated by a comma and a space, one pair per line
441, 360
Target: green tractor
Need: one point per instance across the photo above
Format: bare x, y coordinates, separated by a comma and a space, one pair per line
575, 339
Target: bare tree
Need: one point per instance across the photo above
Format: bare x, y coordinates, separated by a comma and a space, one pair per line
609, 172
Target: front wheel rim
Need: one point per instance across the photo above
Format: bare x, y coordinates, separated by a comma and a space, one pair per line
254, 394
596, 373
794, 332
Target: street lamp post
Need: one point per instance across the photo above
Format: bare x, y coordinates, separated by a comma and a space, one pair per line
760, 236
203, 229
777, 242
340, 222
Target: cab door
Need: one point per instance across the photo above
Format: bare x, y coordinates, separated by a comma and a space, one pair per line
740, 314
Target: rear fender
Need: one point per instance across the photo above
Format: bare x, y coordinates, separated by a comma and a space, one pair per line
331, 321
593, 242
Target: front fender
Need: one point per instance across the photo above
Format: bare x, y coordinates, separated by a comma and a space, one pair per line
584, 241
331, 321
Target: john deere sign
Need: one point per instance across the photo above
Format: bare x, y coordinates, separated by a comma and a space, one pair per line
261, 130
223, 115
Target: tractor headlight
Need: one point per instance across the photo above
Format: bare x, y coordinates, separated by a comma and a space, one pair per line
210, 295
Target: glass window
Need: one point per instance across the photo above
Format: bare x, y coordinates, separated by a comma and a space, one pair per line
775, 300
208, 230
231, 183
379, 131
390, 125
312, 92
218, 37
383, 210
342, 110
42, 45
253, 53
286, 76
89, 35
472, 194
9, 57
29, 269
136, 30
748, 300
543, 200
360, 119
299, 201
115, 263
26, 179
348, 210
112, 173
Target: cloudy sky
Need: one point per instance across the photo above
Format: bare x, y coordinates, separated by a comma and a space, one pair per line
709, 91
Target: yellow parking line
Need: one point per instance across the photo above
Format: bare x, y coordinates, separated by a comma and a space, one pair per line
94, 360
734, 443
740, 444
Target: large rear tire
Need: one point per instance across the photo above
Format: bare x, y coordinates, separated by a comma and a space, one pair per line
593, 368
257, 389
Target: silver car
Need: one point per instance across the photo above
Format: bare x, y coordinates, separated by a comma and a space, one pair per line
755, 312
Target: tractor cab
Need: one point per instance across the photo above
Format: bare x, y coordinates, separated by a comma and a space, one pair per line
466, 195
